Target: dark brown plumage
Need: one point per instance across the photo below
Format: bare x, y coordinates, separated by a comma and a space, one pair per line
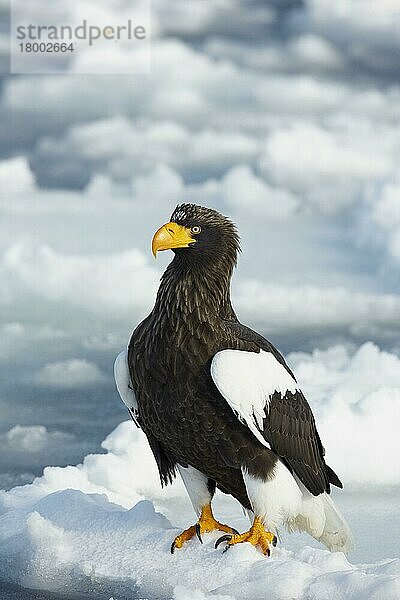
184, 416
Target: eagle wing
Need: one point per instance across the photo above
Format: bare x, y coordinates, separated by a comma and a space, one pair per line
165, 462
264, 395
124, 385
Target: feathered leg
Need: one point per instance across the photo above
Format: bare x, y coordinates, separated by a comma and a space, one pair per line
200, 490
275, 498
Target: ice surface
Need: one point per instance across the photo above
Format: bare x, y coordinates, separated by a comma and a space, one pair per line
104, 528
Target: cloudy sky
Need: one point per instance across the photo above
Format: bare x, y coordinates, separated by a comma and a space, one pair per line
282, 114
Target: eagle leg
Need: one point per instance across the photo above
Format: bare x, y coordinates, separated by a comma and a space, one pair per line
205, 524
257, 535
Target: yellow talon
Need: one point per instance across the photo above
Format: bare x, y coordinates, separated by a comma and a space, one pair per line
205, 524
185, 536
257, 536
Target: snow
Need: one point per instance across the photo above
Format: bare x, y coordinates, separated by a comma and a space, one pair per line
69, 542
356, 400
104, 528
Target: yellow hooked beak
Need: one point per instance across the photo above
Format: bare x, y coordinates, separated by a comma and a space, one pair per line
171, 235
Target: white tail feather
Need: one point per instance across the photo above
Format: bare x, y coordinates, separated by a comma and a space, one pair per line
336, 534
320, 518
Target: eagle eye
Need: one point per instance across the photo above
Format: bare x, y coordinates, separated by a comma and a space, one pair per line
196, 229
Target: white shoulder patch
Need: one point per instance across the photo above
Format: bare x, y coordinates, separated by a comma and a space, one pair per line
247, 380
124, 386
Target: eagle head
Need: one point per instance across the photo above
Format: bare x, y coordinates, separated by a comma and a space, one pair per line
198, 236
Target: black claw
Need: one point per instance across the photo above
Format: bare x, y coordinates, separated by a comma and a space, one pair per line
274, 541
198, 533
173, 547
235, 531
268, 552
223, 538
226, 549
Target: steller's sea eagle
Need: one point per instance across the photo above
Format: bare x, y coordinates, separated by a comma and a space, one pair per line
218, 402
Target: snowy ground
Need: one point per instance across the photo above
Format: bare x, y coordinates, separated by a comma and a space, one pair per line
103, 528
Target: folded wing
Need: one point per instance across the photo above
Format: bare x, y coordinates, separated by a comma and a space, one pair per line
265, 396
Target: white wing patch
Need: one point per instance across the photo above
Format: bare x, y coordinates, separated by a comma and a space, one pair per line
247, 380
124, 386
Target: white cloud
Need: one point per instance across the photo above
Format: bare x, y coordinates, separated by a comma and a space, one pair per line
386, 209
198, 84
121, 286
33, 438
81, 256
329, 167
285, 307
366, 30
16, 176
106, 341
120, 146
73, 372
107, 284
304, 52
314, 50
321, 138
160, 186
384, 218
216, 18
15, 336
245, 193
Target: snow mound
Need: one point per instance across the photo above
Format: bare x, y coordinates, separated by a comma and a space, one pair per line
125, 474
355, 397
104, 528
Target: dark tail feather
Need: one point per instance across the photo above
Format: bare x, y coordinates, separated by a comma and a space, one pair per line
165, 462
333, 478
